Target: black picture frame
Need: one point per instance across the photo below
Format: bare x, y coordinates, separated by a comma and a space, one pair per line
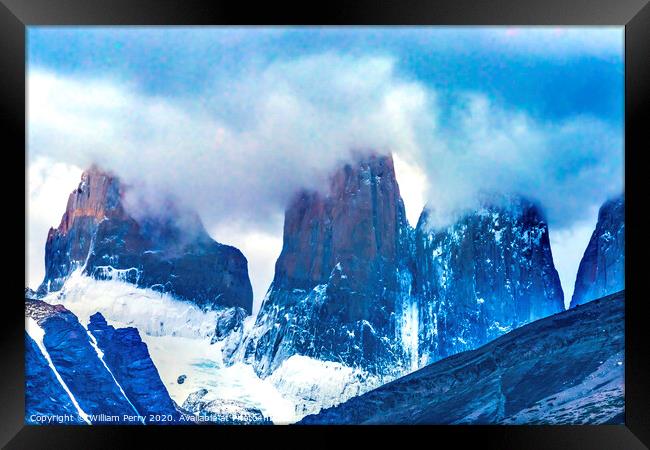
16, 15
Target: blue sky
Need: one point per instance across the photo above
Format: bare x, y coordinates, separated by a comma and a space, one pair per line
538, 111
580, 71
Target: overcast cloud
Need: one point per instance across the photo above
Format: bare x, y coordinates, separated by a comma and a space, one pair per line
237, 150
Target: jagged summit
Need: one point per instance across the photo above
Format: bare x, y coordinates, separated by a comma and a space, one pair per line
169, 251
358, 221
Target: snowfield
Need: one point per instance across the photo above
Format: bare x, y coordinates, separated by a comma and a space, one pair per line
178, 335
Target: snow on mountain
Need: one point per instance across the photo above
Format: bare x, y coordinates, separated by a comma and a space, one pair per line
35, 335
124, 304
180, 338
170, 252
225, 412
312, 385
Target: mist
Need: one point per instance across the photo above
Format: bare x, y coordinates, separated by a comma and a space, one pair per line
238, 151
242, 150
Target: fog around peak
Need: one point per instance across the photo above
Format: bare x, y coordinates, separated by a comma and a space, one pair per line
234, 138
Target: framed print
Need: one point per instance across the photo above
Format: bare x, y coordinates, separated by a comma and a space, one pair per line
376, 219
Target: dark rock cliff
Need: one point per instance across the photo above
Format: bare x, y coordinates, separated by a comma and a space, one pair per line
356, 284
128, 359
106, 375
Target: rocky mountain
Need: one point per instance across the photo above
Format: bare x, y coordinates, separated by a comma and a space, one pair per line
488, 273
358, 296
44, 394
96, 375
339, 276
355, 284
564, 369
602, 268
171, 253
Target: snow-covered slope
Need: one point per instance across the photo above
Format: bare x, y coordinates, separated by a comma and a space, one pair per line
312, 385
182, 341
124, 304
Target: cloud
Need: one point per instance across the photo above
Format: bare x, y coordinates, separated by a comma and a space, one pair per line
241, 149
568, 166
49, 184
238, 150
237, 153
568, 246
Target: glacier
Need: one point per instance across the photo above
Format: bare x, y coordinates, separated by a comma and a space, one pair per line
180, 337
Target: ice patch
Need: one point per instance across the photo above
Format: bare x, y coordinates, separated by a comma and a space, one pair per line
312, 385
203, 366
408, 325
125, 305
130, 275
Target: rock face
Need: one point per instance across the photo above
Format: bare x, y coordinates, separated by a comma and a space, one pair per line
337, 279
44, 395
490, 272
98, 375
564, 369
172, 254
602, 268
356, 284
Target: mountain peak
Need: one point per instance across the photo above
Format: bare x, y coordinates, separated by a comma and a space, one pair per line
336, 280
97, 196
485, 274
357, 219
602, 268
169, 249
